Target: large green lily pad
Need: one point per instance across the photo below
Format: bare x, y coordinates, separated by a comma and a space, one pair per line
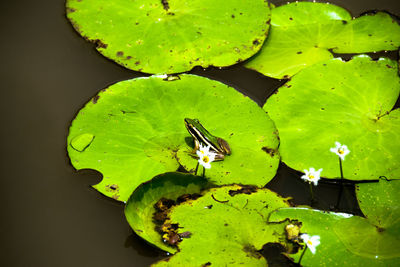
139, 209
227, 225
133, 131
345, 240
172, 36
349, 102
304, 33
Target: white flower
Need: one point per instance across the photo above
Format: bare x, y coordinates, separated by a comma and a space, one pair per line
312, 176
340, 150
205, 156
311, 241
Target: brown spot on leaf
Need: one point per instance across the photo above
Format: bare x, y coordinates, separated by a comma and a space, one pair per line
112, 188
164, 204
270, 151
186, 234
246, 189
100, 44
120, 54
251, 251
165, 4
94, 99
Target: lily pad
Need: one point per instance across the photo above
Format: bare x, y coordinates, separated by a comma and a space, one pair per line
346, 240
137, 129
304, 33
139, 209
172, 36
228, 227
380, 203
349, 102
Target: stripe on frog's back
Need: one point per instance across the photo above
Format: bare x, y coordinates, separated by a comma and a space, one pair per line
201, 138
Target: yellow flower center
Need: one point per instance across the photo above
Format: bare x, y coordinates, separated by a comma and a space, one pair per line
311, 176
340, 151
206, 159
309, 242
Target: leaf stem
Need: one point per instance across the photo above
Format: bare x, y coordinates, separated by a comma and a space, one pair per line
312, 194
204, 171
341, 184
302, 254
197, 168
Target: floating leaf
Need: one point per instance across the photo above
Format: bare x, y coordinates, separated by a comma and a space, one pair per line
172, 36
139, 209
228, 227
303, 33
380, 202
349, 102
339, 231
138, 130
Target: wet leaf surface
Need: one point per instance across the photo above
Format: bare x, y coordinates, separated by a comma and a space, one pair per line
138, 132
345, 240
226, 227
349, 102
140, 208
172, 36
304, 33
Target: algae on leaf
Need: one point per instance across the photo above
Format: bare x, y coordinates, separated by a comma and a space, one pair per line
228, 227
304, 33
138, 132
339, 234
348, 102
139, 210
172, 36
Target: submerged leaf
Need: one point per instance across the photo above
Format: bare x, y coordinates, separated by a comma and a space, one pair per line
140, 208
139, 132
303, 33
228, 227
346, 240
348, 102
172, 36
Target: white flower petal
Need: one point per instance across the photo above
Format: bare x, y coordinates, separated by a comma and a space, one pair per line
312, 249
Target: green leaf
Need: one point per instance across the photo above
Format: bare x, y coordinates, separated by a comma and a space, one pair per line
349, 102
302, 34
172, 36
139, 209
380, 203
346, 240
138, 130
227, 226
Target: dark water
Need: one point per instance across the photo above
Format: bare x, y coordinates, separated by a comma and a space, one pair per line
50, 215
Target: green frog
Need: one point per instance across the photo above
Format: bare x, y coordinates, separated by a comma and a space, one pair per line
202, 137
